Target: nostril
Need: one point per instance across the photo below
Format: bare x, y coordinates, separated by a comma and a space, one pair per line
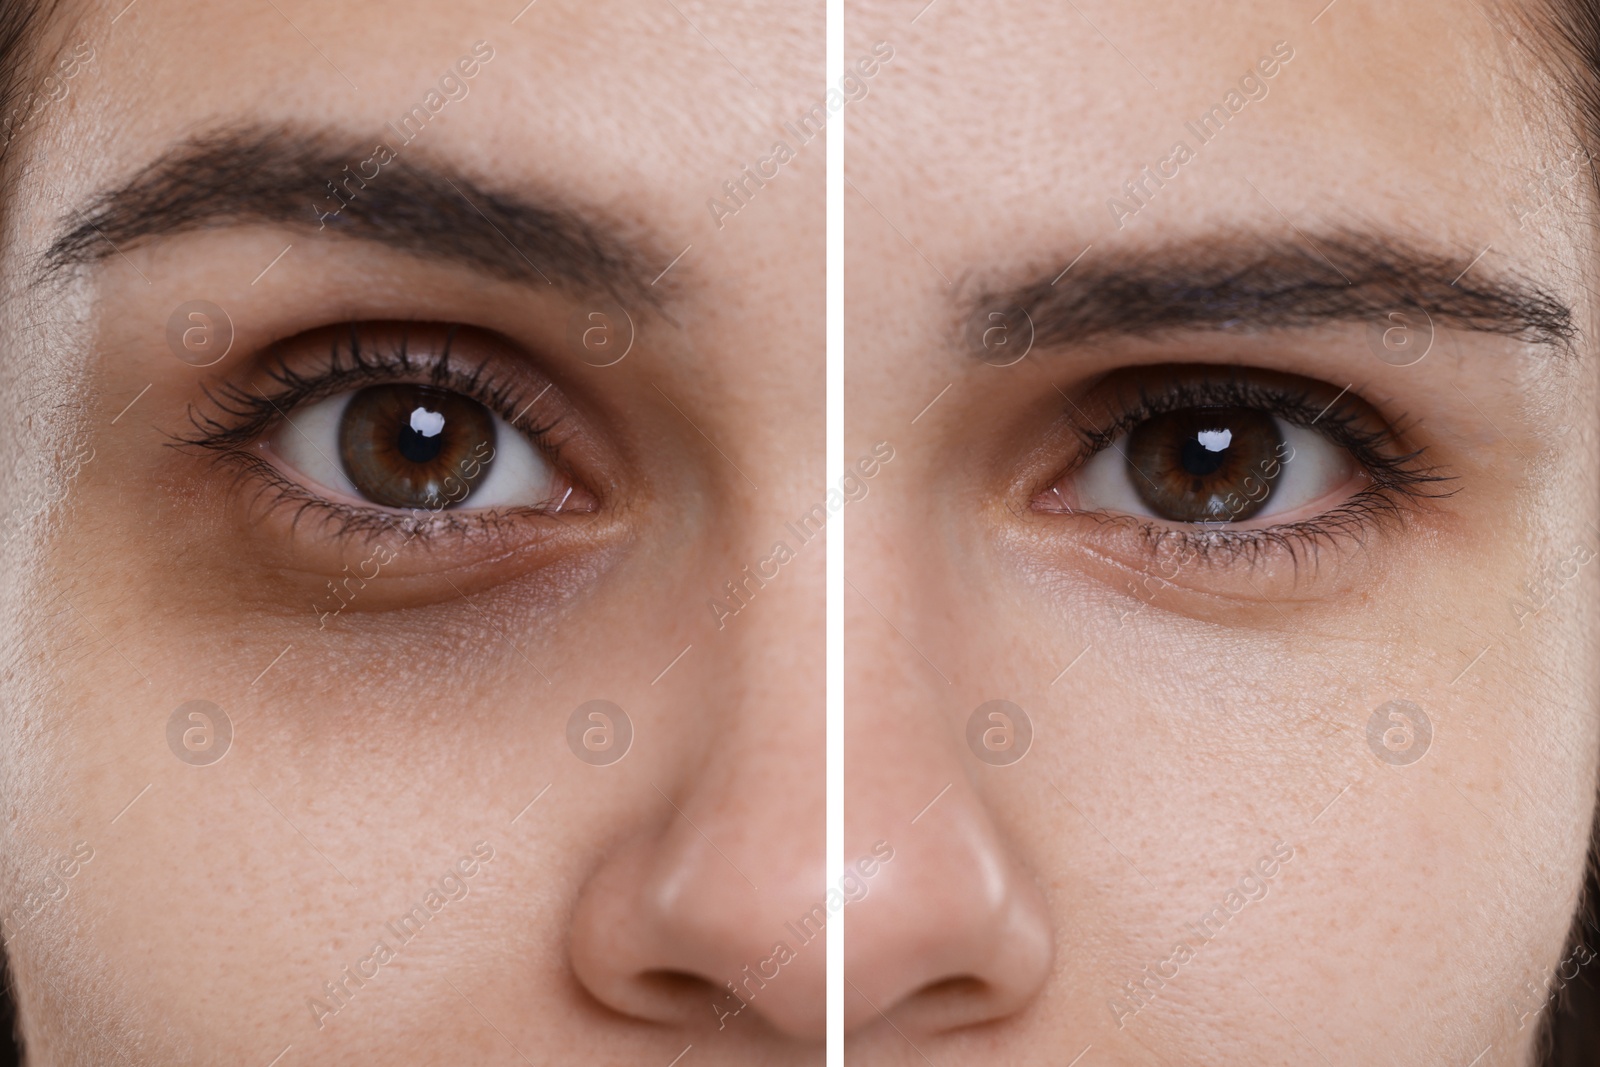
957, 1002
676, 985
959, 986
677, 995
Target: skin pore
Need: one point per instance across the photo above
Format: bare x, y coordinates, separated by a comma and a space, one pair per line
1222, 845
400, 686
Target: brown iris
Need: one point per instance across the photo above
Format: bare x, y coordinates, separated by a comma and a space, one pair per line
413, 446
1206, 464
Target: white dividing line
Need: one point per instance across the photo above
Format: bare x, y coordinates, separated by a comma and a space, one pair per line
834, 574
528, 405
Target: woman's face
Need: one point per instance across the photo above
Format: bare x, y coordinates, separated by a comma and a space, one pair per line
415, 569
1311, 782
465, 258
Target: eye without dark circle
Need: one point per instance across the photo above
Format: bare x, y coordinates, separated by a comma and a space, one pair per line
1221, 458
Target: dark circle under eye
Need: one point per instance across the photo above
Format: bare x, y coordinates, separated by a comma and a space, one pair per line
414, 446
1206, 464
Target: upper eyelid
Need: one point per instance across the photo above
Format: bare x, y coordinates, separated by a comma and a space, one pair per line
1283, 403
250, 411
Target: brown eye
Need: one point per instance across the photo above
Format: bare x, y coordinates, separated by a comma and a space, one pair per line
414, 446
1206, 464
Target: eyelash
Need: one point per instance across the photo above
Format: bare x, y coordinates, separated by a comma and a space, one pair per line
1398, 478
240, 418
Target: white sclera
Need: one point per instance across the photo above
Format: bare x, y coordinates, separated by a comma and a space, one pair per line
520, 476
1315, 467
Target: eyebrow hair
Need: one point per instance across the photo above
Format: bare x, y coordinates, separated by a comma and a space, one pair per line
1242, 280
281, 176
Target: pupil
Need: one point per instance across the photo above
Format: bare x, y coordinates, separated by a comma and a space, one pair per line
1200, 458
422, 439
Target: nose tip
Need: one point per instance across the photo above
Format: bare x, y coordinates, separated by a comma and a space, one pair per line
668, 930
954, 933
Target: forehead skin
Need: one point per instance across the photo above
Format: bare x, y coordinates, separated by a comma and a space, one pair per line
385, 753
986, 159
1032, 118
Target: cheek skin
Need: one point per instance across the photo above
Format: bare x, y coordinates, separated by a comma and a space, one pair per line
1195, 777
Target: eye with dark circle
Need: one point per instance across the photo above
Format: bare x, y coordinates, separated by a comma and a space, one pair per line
411, 446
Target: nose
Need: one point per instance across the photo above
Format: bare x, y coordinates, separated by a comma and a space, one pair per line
693, 922
953, 932
693, 919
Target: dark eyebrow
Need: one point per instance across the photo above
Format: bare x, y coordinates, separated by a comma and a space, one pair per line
281, 176
1242, 281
